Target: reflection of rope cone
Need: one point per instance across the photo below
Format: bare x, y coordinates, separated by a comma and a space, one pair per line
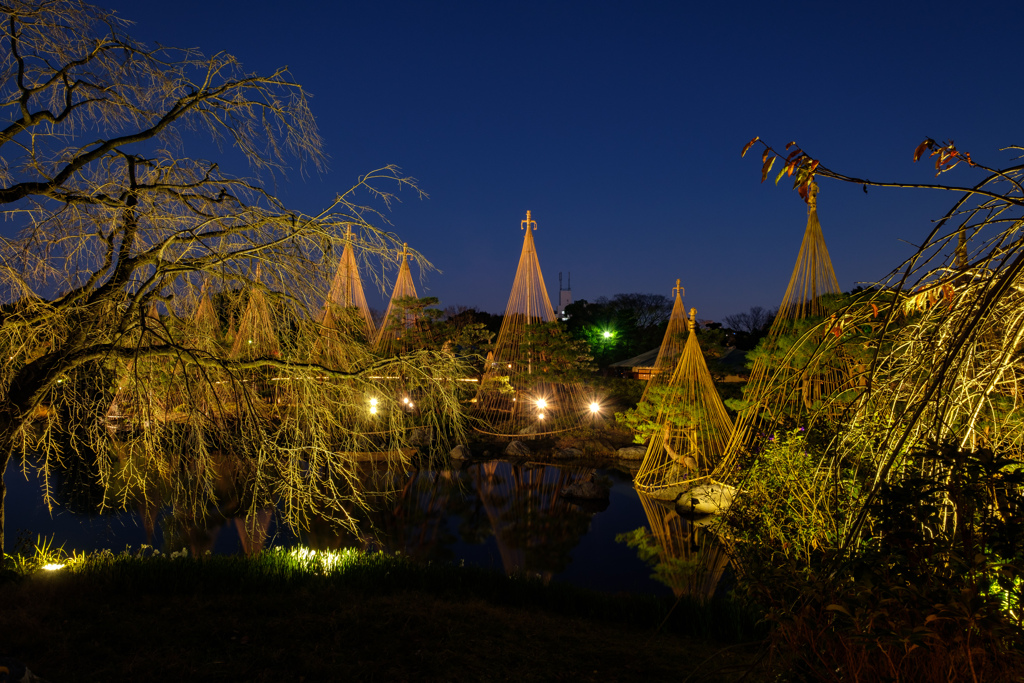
694, 555
411, 520
522, 503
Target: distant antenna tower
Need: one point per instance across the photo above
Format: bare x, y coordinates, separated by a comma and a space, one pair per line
564, 295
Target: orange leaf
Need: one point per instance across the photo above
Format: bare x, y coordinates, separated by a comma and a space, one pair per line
928, 142
747, 147
767, 167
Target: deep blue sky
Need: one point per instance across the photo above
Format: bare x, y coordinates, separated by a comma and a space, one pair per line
619, 125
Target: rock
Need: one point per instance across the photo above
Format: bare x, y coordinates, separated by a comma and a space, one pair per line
421, 436
517, 449
597, 447
631, 453
567, 453
586, 489
706, 499
461, 452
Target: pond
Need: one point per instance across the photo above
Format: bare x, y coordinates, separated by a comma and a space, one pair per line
508, 516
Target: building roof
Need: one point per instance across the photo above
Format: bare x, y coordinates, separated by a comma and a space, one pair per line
644, 360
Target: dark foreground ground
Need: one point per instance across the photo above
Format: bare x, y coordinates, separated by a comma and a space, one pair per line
66, 628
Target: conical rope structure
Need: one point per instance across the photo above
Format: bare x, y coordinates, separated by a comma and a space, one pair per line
692, 558
346, 317
205, 338
671, 345
694, 427
347, 289
399, 318
798, 366
136, 397
514, 395
257, 338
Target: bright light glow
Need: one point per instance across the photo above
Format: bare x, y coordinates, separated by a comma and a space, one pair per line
405, 400
542, 404
52, 567
373, 410
607, 334
541, 416
595, 407
373, 401
510, 365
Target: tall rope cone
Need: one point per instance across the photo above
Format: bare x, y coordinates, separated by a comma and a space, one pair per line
397, 319
512, 396
694, 427
671, 345
256, 337
346, 317
346, 293
784, 388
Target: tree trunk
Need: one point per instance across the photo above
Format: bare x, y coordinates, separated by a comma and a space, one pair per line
5, 456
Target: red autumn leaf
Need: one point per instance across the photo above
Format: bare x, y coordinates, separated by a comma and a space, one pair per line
874, 307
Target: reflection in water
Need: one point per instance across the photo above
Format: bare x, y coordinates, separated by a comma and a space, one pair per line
518, 505
535, 528
492, 514
691, 559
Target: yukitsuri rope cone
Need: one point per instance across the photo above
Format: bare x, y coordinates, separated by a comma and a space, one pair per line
205, 338
512, 396
257, 338
347, 289
671, 346
346, 314
136, 397
694, 428
693, 556
792, 386
398, 319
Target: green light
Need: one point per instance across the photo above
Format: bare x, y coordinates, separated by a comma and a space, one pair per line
607, 334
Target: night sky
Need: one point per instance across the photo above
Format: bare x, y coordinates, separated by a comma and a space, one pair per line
620, 125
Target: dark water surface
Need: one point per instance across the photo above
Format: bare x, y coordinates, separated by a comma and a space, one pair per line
496, 514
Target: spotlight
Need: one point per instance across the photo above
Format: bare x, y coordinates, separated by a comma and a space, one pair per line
595, 407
